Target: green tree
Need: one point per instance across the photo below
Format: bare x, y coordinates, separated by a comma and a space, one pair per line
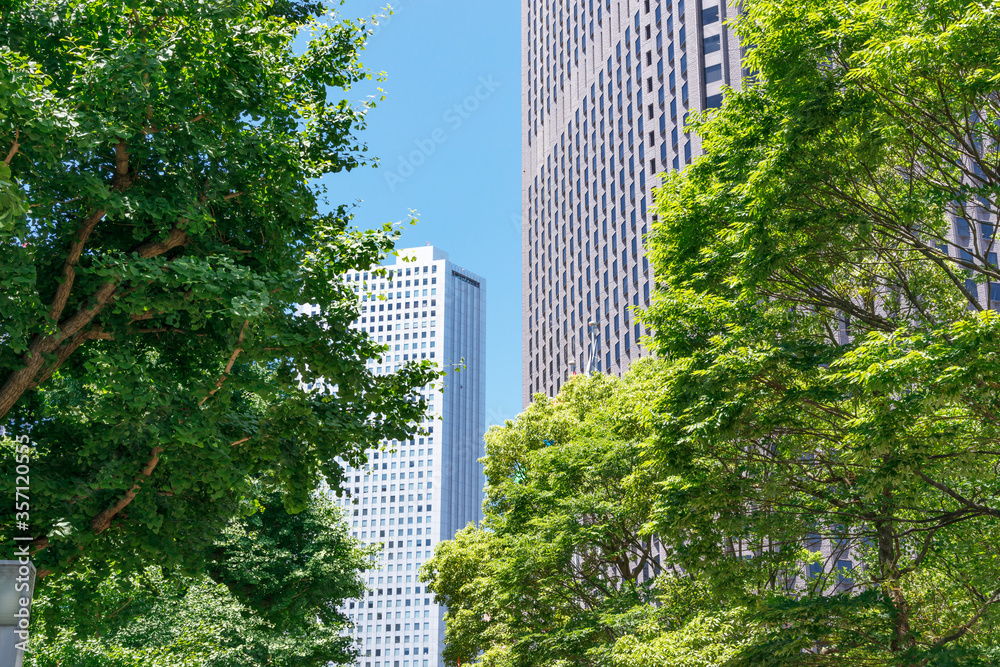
561, 572
159, 222
269, 599
834, 378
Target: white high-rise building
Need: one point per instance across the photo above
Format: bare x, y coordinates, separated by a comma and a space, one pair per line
412, 494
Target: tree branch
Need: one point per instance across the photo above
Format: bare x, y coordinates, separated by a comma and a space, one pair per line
989, 511
102, 521
69, 266
67, 349
965, 627
34, 360
13, 149
229, 366
152, 129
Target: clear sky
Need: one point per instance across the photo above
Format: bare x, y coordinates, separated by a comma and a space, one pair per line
448, 140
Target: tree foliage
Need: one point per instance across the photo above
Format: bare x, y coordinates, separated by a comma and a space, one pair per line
158, 225
826, 271
269, 599
561, 572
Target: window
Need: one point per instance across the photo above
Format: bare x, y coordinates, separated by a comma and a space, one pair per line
713, 43
709, 15
713, 73
843, 567
962, 226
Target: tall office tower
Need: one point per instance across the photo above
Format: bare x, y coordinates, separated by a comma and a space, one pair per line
412, 494
608, 86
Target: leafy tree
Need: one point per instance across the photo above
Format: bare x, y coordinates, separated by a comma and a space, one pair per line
826, 272
158, 225
561, 572
269, 599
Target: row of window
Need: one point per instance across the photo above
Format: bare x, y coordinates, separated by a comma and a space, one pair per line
378, 615
409, 509
399, 316
403, 475
353, 498
380, 290
389, 628
374, 454
399, 532
389, 274
395, 663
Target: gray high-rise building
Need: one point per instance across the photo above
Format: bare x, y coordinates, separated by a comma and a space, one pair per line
412, 494
607, 88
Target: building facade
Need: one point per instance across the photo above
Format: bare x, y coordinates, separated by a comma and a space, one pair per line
607, 87
412, 494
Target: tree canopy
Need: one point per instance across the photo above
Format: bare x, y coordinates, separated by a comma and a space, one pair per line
826, 272
562, 572
160, 223
269, 599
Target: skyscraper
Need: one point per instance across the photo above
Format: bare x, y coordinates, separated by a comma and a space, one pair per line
412, 494
607, 88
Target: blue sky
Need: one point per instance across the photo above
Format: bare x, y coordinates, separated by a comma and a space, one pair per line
448, 140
